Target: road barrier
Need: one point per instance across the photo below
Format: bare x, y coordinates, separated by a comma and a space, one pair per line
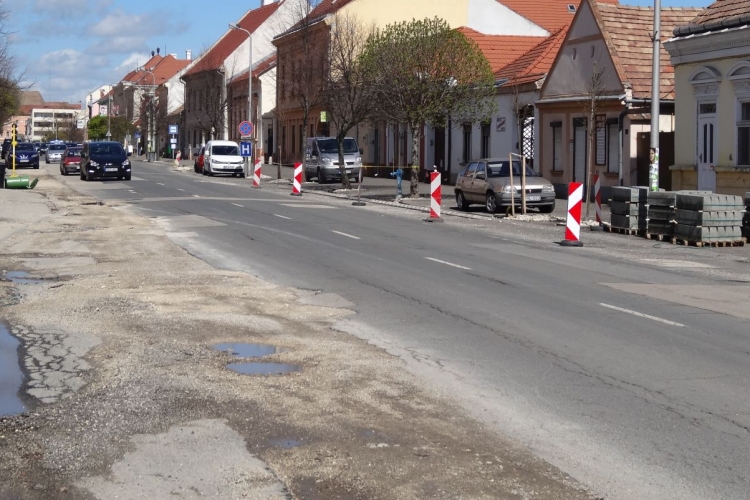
573, 222
297, 183
435, 197
256, 173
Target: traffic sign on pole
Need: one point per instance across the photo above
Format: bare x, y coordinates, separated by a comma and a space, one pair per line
173, 129
246, 149
245, 128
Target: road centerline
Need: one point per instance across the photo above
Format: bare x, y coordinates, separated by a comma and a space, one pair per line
641, 315
347, 235
238, 205
448, 264
282, 216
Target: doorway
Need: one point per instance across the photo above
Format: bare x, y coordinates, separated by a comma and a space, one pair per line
706, 146
579, 151
439, 151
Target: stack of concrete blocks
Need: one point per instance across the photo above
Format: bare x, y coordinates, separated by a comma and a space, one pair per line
709, 218
661, 213
629, 207
746, 219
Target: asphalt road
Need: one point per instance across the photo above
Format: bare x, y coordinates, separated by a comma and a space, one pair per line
602, 365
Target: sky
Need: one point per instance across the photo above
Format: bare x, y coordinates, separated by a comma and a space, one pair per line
69, 48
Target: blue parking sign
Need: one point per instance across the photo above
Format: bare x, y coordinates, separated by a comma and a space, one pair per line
246, 149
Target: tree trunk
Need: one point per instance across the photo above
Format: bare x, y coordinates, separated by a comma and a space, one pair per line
589, 161
414, 181
342, 164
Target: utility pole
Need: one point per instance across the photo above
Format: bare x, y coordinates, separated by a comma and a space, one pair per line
109, 114
249, 86
655, 89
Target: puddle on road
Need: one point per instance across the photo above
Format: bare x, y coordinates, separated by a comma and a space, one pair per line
11, 377
263, 368
23, 278
285, 443
249, 350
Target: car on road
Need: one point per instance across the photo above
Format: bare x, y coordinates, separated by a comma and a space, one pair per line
198, 162
487, 181
322, 159
223, 157
43, 148
70, 162
6, 148
26, 155
104, 160
54, 152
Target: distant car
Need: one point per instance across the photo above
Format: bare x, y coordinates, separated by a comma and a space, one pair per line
106, 160
37, 146
43, 148
6, 148
26, 155
487, 181
54, 152
198, 162
70, 162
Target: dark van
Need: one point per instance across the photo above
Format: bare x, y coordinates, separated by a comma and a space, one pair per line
104, 160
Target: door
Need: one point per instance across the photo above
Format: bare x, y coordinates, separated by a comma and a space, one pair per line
479, 184
439, 150
706, 146
579, 153
463, 183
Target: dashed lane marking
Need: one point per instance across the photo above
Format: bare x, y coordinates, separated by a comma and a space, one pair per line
641, 315
448, 264
238, 205
282, 216
347, 235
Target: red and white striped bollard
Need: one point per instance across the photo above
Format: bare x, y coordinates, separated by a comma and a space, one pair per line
573, 221
435, 197
256, 174
297, 182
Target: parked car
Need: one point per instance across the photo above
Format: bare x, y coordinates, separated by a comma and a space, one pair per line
322, 159
70, 162
54, 152
106, 160
43, 148
223, 157
26, 155
198, 162
487, 181
6, 148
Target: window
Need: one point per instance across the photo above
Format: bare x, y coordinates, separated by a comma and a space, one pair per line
294, 139
613, 147
481, 170
486, 140
743, 135
471, 169
557, 146
467, 142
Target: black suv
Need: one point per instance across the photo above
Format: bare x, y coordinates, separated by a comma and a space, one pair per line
6, 148
106, 160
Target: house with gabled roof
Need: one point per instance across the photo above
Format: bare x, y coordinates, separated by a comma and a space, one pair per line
607, 51
711, 59
527, 23
207, 100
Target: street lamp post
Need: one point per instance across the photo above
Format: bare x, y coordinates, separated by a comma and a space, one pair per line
655, 89
249, 81
109, 115
150, 111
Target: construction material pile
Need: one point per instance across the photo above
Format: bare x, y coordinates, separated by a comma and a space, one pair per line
661, 213
629, 208
709, 218
746, 219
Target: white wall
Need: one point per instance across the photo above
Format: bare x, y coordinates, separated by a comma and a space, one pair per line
492, 18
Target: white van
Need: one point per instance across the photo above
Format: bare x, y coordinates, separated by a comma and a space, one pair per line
322, 159
223, 157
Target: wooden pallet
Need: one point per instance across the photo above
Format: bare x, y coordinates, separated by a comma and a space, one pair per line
625, 230
716, 244
658, 236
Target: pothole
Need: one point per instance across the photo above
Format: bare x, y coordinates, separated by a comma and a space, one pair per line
249, 350
23, 278
263, 368
11, 376
285, 443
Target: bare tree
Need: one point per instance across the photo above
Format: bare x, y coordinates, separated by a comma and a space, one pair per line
10, 86
595, 92
348, 98
424, 71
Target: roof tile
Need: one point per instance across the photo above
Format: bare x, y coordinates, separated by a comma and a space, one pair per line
501, 49
549, 14
722, 10
535, 63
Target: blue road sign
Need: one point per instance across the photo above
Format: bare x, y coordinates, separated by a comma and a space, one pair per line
137, 135
173, 129
245, 128
246, 149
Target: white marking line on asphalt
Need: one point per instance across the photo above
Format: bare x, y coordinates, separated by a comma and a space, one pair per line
238, 205
347, 235
641, 315
196, 196
161, 183
282, 216
131, 191
179, 189
448, 263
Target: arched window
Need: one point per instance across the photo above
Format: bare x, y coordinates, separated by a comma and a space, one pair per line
739, 75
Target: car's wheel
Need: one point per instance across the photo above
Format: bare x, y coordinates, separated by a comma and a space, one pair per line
321, 177
490, 202
63, 171
547, 209
127, 177
36, 167
461, 203
242, 176
82, 175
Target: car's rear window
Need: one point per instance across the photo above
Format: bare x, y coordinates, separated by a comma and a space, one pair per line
225, 150
57, 147
73, 152
107, 149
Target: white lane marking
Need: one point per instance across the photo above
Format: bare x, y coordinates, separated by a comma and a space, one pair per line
641, 315
347, 235
282, 216
305, 206
160, 183
196, 196
131, 191
238, 205
448, 263
179, 189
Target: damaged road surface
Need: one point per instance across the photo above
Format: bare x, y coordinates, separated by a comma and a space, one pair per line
125, 394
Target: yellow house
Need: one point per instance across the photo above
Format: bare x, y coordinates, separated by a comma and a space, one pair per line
711, 59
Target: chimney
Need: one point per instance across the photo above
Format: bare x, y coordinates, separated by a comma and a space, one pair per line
153, 53
189, 55
157, 50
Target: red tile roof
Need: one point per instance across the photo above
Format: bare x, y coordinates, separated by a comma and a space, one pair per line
626, 30
135, 75
260, 68
216, 55
722, 10
535, 63
501, 49
25, 110
549, 14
